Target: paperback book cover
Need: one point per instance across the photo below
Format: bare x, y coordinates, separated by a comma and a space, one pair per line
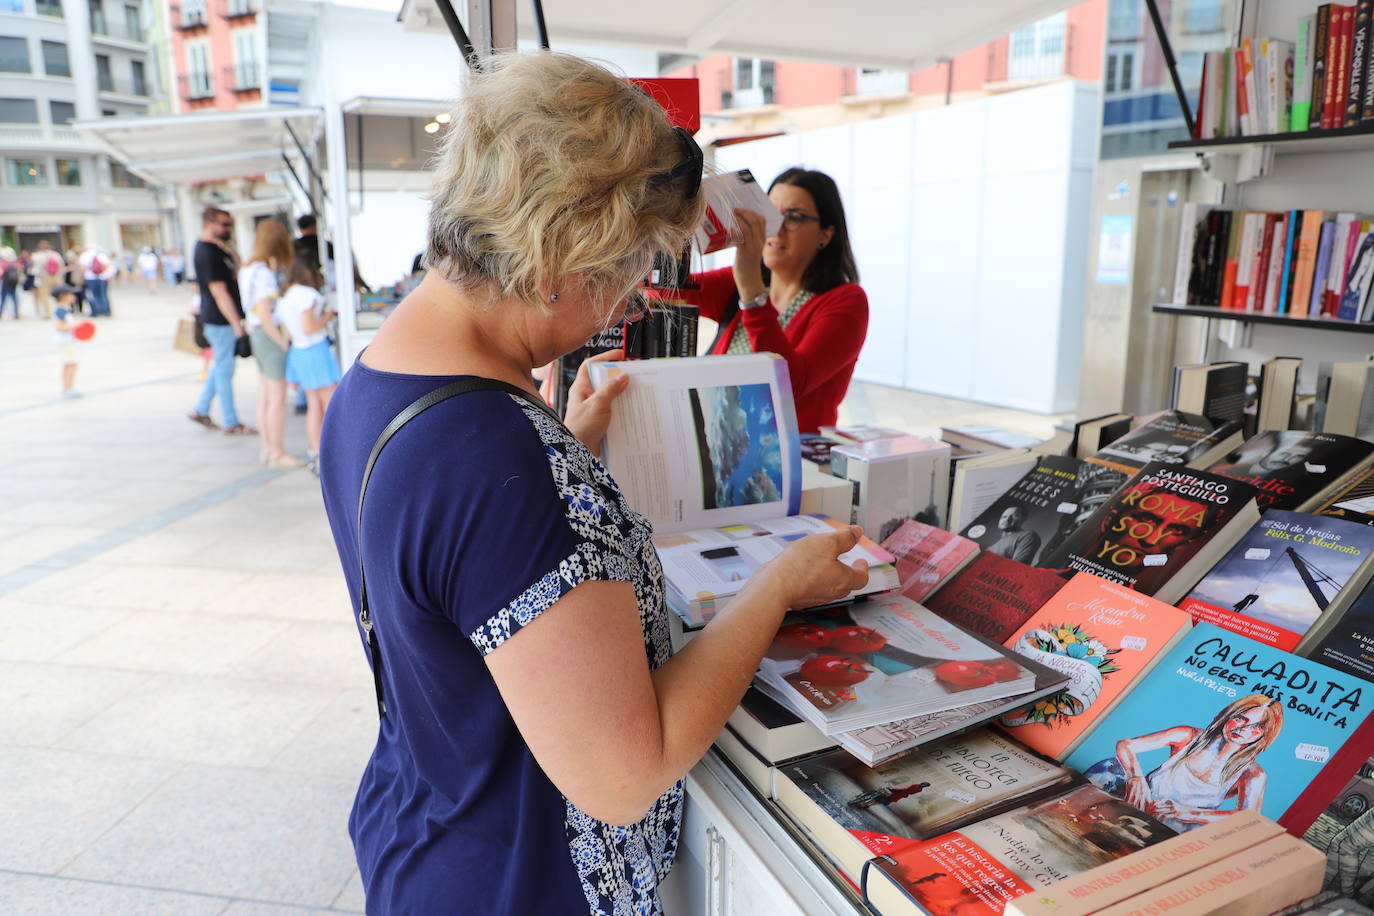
1105, 638
1348, 642
1284, 574
1354, 501
1161, 532
884, 659
855, 812
926, 557
1344, 831
993, 596
1174, 437
1223, 724
979, 869
1041, 508
1293, 469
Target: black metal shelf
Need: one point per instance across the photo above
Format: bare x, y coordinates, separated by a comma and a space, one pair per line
1336, 139
1317, 322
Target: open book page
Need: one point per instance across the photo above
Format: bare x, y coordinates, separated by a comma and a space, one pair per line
704, 442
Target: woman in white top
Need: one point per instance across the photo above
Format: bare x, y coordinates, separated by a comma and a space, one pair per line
310, 363
147, 265
258, 290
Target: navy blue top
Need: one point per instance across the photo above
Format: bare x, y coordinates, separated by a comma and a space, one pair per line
481, 513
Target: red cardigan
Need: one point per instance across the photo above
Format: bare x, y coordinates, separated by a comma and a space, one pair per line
821, 343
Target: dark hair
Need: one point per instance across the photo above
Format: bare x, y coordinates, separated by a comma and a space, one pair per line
304, 222
211, 214
834, 264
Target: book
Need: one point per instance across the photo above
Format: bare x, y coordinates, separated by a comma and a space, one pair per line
1291, 222
1042, 507
1302, 75
883, 659
774, 732
1346, 643
1277, 393
1189, 277
1333, 814
1325, 245
978, 480
926, 557
564, 369
1349, 400
1275, 254
1244, 70
725, 193
1173, 437
703, 570
1355, 289
994, 596
1285, 576
1320, 49
1091, 436
1106, 638
1212, 390
1147, 869
1253, 882
900, 478
1280, 75
1161, 532
753, 768
979, 869
1354, 501
1345, 67
816, 449
1263, 258
986, 438
1223, 723
1295, 469
1326, 903
1305, 261
854, 812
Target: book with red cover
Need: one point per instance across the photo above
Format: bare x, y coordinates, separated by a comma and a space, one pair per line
1321, 40
1334, 75
1346, 39
1231, 265
993, 595
1266, 251
1242, 66
926, 557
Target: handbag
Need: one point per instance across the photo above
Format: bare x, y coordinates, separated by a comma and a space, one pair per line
243, 347
185, 337
413, 410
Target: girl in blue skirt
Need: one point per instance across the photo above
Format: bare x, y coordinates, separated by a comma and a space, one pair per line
310, 362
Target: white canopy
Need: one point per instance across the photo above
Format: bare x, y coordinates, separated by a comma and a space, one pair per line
205, 147
889, 34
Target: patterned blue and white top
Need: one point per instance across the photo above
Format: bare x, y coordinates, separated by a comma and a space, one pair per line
481, 514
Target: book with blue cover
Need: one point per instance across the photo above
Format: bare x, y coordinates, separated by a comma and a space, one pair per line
1223, 723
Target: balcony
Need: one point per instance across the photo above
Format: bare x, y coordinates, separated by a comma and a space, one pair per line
108, 84
243, 77
197, 86
126, 31
1039, 51
40, 137
189, 17
238, 9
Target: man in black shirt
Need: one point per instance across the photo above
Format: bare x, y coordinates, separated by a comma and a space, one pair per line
221, 314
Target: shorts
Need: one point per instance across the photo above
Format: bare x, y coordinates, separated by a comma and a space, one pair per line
312, 367
271, 358
66, 352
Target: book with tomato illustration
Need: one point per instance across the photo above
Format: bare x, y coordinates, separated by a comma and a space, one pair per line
926, 557
883, 659
977, 870
992, 596
1105, 638
854, 812
1225, 723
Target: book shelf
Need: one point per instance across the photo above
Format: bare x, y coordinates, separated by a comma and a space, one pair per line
1317, 322
1335, 140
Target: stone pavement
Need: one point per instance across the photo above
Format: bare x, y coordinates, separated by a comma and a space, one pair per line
187, 707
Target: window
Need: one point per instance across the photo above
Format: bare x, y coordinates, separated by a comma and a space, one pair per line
744, 74
754, 82
133, 25
108, 113
1202, 16
14, 55
1124, 81
55, 61
27, 172
121, 177
18, 111
198, 83
48, 8
140, 78
246, 59
69, 173
98, 18
11, 6
62, 112
104, 78
192, 13
1037, 51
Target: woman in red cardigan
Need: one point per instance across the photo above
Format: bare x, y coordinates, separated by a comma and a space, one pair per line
795, 294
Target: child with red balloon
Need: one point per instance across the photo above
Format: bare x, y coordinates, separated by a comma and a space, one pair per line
66, 333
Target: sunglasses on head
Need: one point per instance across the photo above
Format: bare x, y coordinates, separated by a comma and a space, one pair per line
690, 168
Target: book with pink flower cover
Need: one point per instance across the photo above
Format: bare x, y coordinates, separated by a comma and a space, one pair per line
1105, 637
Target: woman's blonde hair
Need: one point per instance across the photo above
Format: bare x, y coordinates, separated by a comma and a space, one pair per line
1241, 760
552, 172
272, 243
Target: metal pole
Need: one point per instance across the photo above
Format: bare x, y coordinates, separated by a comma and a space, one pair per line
539, 24
1171, 63
459, 34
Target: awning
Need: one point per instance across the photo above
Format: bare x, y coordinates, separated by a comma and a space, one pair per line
184, 148
890, 34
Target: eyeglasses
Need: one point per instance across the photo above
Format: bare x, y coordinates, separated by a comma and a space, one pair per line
689, 168
795, 219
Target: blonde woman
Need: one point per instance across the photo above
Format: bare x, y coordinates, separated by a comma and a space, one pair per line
259, 287
535, 730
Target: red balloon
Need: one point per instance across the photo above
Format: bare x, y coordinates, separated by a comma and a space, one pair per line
84, 331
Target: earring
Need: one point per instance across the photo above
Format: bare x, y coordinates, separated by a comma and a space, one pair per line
554, 297
822, 246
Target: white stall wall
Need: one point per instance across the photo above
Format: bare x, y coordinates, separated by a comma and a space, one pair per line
970, 227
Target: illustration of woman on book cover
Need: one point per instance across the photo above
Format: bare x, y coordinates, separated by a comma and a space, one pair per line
1205, 767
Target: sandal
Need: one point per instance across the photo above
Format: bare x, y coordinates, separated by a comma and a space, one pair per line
202, 419
238, 429
284, 463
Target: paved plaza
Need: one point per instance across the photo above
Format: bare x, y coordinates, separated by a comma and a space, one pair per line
187, 707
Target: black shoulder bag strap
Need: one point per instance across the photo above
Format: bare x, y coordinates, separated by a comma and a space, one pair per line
417, 407
727, 316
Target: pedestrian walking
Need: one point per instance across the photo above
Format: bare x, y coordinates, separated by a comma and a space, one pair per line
310, 362
147, 265
100, 268
258, 290
46, 269
11, 275
221, 314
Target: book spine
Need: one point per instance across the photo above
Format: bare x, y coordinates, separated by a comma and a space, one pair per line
1305, 261
1320, 45
1271, 285
1240, 294
1200, 131
1286, 283
1302, 75
1359, 55
1344, 39
1226, 103
1367, 90
1221, 243
1317, 298
1232, 264
1262, 270
1333, 267
1187, 235
1259, 268
1263, 104
692, 318
1244, 88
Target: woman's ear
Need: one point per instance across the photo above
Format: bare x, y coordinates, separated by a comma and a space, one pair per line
827, 235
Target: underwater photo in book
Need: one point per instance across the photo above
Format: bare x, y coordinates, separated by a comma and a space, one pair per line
737, 437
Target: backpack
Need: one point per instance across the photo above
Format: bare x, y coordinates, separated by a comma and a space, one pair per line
11, 275
97, 266
52, 266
